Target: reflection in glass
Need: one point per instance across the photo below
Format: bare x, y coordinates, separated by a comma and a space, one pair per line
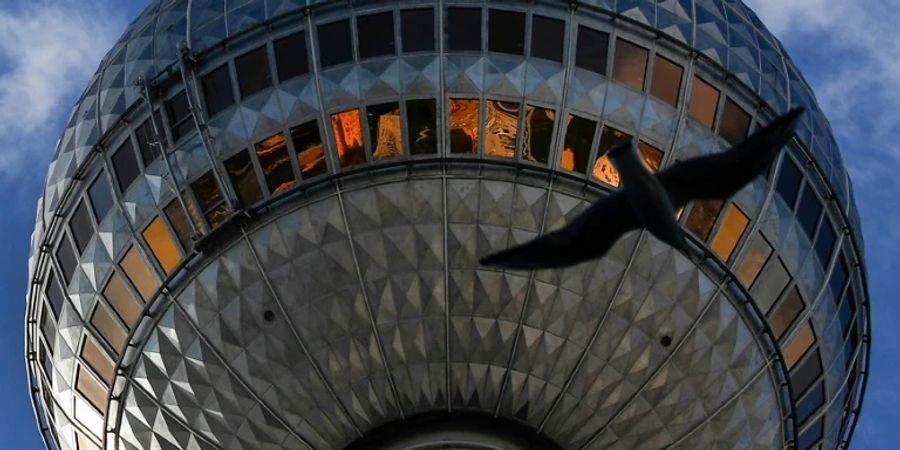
729, 233
85, 444
147, 142
54, 294
139, 273
808, 211
210, 198
506, 32
538, 134
253, 72
275, 163
97, 360
180, 225
290, 56
784, 314
825, 242
125, 163
807, 372
101, 197
650, 156
217, 90
464, 29
811, 403
666, 80
162, 245
417, 30
772, 281
788, 186
464, 122
704, 99
179, 112
88, 416
66, 258
243, 178
334, 43
421, 117
547, 38
385, 132
603, 167
309, 149
735, 123
702, 217
500, 128
838, 278
753, 260
81, 226
93, 391
591, 49
122, 300
348, 138
375, 34
108, 328
630, 64
577, 145
797, 346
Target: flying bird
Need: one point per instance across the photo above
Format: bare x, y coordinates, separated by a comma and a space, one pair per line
650, 201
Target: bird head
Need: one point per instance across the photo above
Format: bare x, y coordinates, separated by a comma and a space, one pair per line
620, 151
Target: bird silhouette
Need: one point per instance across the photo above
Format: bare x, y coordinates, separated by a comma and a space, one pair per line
650, 201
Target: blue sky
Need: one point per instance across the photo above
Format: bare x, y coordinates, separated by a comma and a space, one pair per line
848, 50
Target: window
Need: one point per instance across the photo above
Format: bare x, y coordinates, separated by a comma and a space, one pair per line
290, 56
48, 327
808, 211
735, 123
148, 145
421, 116
666, 80
122, 301
506, 32
91, 390
538, 134
375, 34
217, 90
789, 179
84, 443
825, 242
783, 316
729, 233
81, 226
772, 281
243, 178
334, 43
348, 138
702, 217
811, 436
838, 278
591, 50
108, 328
500, 128
464, 29
46, 362
797, 346
180, 224
275, 163
125, 163
101, 197
162, 245
577, 145
603, 167
417, 30
846, 311
253, 72
547, 37
385, 130
97, 360
811, 403
54, 293
179, 111
630, 64
310, 152
210, 199
704, 99
464, 123
849, 348
139, 273
66, 258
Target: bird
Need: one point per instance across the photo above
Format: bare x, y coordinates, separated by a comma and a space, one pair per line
649, 200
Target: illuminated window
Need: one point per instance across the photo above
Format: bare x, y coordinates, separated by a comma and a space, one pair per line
421, 116
348, 138
217, 90
253, 72
375, 34
591, 50
811, 403
97, 360
704, 99
309, 149
803, 376
538, 134
506, 32
702, 217
463, 29
603, 167
753, 260
629, 64
91, 389
334, 43
290, 56
109, 329
797, 346
501, 128
210, 199
243, 178
825, 242
808, 211
125, 163
81, 226
162, 245
148, 145
66, 258
123, 302
385, 130
54, 293
783, 315
577, 145
735, 123
417, 30
139, 273
464, 122
811, 436
275, 163
771, 282
180, 223
666, 80
729, 233
179, 112
547, 37
788, 186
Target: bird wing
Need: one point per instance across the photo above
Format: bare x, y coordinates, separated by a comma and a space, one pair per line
587, 236
723, 174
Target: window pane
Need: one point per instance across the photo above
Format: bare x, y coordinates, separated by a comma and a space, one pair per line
93, 392
807, 372
464, 121
702, 217
84, 443
735, 123
48, 327
704, 99
417, 29
290, 56
808, 211
838, 278
591, 50
666, 80
66, 258
464, 29
179, 112
729, 233
577, 145
253, 72
180, 224
210, 198
506, 32
847, 311
385, 131
125, 163
789, 181
650, 156
772, 281
81, 226
501, 128
538, 135
811, 403
783, 315
275, 163
162, 245
217, 89
111, 331
797, 346
139, 273
375, 34
88, 416
97, 360
310, 152
547, 38
334, 43
243, 178
825, 242
122, 300
421, 118
630, 64
348, 138
54, 293
147, 142
101, 197
849, 348
603, 167
809, 437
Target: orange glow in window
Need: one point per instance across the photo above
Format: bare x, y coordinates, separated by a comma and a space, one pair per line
348, 138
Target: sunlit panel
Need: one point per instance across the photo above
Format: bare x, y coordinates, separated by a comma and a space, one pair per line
88, 416
243, 178
275, 163
629, 64
538, 134
162, 245
421, 117
109, 329
797, 346
577, 145
786, 312
500, 128
122, 300
704, 99
464, 121
310, 151
84, 443
138, 272
97, 360
770, 284
729, 233
348, 138
385, 130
